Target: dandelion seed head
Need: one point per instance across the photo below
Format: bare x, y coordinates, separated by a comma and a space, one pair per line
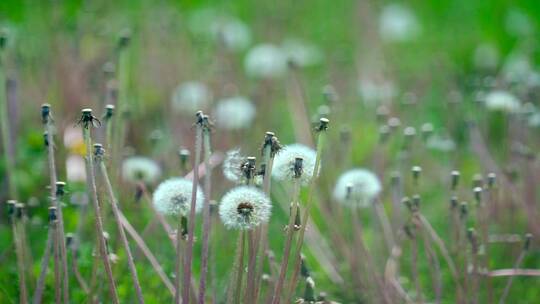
265, 61
374, 91
232, 166
233, 33
283, 168
244, 208
234, 113
75, 167
173, 197
138, 168
301, 53
190, 96
502, 101
398, 23
440, 143
357, 187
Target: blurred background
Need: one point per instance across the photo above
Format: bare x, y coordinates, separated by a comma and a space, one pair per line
432, 66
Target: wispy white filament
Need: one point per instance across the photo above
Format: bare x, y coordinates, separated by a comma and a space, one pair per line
173, 197
357, 187
283, 168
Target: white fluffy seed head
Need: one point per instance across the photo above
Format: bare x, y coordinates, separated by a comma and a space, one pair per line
283, 168
234, 34
232, 166
244, 208
234, 113
357, 187
398, 23
265, 61
173, 197
376, 91
140, 169
502, 101
190, 96
301, 53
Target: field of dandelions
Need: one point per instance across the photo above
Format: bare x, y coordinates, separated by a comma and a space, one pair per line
269, 152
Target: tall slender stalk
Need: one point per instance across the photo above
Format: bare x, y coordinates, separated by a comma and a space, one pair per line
519, 260
321, 140
9, 157
40, 285
46, 117
73, 253
87, 120
291, 229
188, 256
234, 291
206, 211
99, 151
13, 215
57, 262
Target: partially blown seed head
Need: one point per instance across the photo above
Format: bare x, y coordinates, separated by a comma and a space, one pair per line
284, 163
173, 196
244, 208
357, 187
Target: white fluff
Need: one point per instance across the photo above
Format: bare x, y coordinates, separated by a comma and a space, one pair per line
190, 97
502, 101
234, 113
374, 91
232, 166
365, 187
173, 196
283, 168
138, 168
76, 169
397, 23
438, 143
234, 34
244, 208
301, 53
265, 61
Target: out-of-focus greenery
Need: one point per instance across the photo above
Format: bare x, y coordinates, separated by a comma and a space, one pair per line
57, 49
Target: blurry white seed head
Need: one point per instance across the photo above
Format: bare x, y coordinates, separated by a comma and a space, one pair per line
232, 166
234, 113
398, 23
301, 53
502, 101
357, 187
190, 96
374, 91
173, 197
244, 208
265, 61
486, 56
75, 167
140, 169
440, 143
283, 168
233, 33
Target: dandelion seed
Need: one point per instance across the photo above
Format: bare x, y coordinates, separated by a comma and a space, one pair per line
284, 163
265, 61
234, 113
173, 197
357, 187
397, 23
75, 167
244, 208
502, 101
137, 168
190, 97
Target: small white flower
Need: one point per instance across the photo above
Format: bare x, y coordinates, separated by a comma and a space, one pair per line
283, 168
357, 187
301, 53
190, 97
75, 167
234, 113
173, 196
398, 23
502, 101
232, 166
244, 208
486, 56
265, 61
137, 168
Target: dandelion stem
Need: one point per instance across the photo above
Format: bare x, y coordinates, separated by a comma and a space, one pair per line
57, 263
40, 285
189, 248
517, 263
77, 273
9, 157
122, 233
206, 216
233, 293
23, 290
286, 251
91, 180
321, 141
